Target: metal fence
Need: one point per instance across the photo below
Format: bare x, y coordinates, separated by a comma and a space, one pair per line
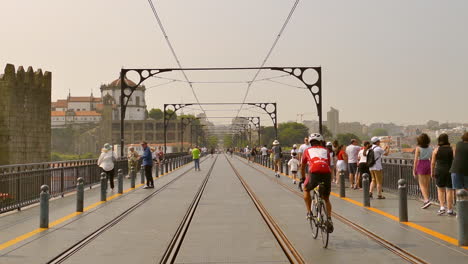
393, 170
20, 184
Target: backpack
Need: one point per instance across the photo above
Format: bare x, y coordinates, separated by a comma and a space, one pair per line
371, 158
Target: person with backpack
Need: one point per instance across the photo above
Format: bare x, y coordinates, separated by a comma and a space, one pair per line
362, 165
106, 162
374, 161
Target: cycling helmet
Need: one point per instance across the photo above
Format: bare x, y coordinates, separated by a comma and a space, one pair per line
329, 144
315, 136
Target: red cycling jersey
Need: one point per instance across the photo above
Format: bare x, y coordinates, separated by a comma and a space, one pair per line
318, 159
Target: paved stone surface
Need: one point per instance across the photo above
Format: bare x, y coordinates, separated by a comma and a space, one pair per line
44, 246
416, 242
227, 227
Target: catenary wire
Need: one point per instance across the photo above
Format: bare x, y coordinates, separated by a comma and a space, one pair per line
155, 13
291, 12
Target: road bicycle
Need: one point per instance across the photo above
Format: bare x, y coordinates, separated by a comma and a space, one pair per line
319, 218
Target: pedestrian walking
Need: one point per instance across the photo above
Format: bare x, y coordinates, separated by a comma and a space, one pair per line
293, 164
277, 155
341, 166
247, 153
441, 161
253, 154
352, 152
264, 151
147, 162
302, 148
329, 146
132, 157
459, 167
362, 164
196, 158
294, 149
212, 152
374, 161
106, 162
422, 167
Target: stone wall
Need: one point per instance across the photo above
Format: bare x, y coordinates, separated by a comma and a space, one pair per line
25, 133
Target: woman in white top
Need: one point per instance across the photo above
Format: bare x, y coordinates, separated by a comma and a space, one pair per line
106, 162
362, 165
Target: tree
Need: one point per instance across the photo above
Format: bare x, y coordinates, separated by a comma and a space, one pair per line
378, 132
327, 134
267, 135
291, 133
212, 141
345, 139
405, 145
156, 114
228, 143
169, 112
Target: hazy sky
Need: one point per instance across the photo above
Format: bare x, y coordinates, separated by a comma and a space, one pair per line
401, 61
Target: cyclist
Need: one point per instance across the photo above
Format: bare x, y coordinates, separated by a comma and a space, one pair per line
318, 159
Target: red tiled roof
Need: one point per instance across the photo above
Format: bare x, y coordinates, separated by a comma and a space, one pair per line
116, 83
87, 113
60, 104
84, 99
57, 113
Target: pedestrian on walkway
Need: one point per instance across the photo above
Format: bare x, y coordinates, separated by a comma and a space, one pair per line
293, 164
147, 162
352, 152
196, 158
253, 154
329, 146
459, 168
302, 148
264, 151
374, 161
212, 151
422, 167
341, 166
277, 156
294, 149
247, 153
362, 164
441, 162
133, 158
107, 161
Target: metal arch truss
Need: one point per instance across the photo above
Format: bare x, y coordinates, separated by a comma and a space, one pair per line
269, 108
127, 88
184, 122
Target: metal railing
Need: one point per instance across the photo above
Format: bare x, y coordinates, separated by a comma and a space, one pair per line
20, 184
393, 170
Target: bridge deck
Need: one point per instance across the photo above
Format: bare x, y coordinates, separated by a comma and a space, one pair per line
226, 226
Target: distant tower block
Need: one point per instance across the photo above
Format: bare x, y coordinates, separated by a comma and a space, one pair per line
25, 104
333, 121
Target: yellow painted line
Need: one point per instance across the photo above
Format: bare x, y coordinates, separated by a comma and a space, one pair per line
68, 217
423, 229
21, 238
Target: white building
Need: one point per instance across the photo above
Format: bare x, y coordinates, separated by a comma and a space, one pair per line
136, 107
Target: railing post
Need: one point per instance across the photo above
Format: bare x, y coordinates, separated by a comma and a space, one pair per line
167, 166
365, 189
142, 174
62, 182
80, 195
156, 170
462, 209
342, 184
403, 200
103, 187
287, 168
44, 204
120, 181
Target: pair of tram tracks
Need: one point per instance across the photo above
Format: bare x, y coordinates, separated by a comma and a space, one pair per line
172, 250
405, 255
63, 256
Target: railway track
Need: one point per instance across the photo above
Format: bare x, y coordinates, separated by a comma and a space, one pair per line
405, 255
63, 256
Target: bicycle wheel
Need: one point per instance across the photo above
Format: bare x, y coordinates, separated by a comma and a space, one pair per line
313, 221
323, 224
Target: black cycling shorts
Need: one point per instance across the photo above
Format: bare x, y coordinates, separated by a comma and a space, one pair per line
313, 180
